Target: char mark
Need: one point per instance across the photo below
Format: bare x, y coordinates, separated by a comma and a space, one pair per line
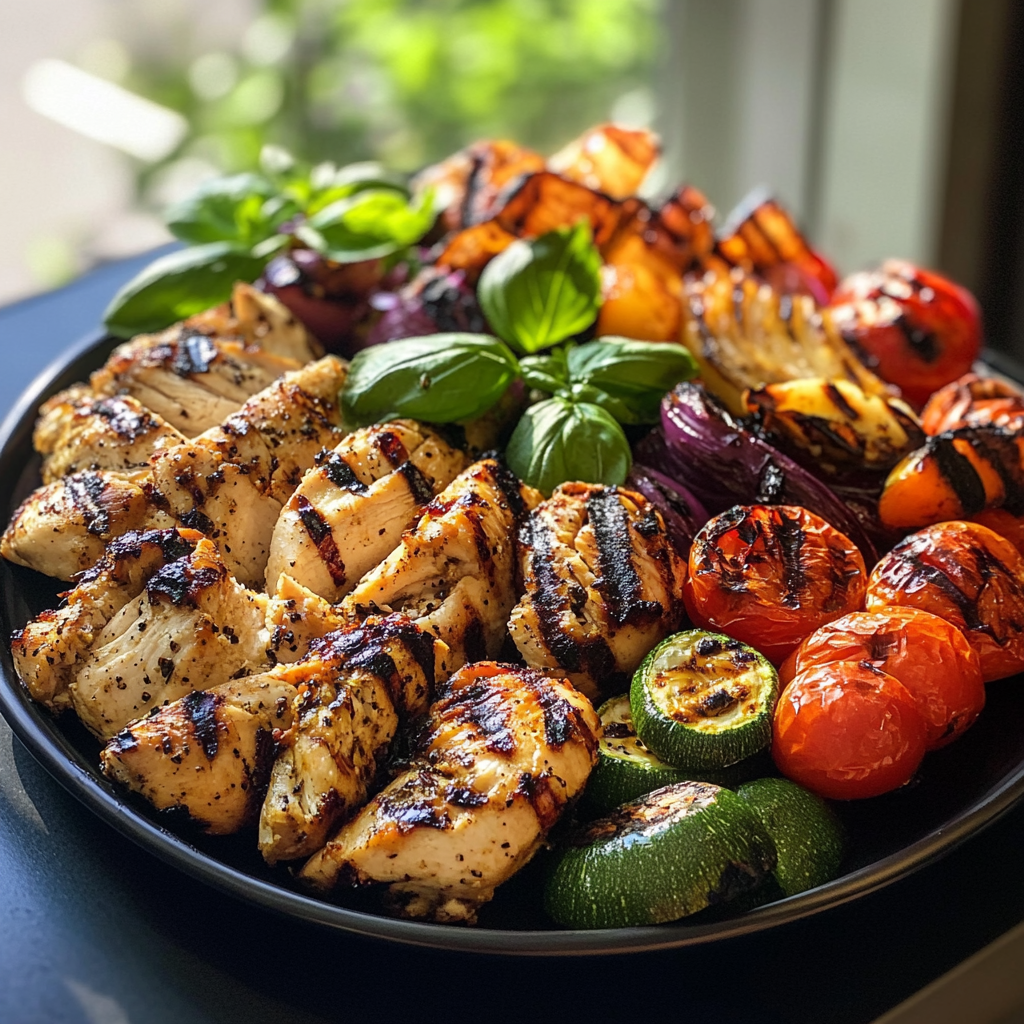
200, 707
320, 534
956, 469
196, 520
390, 446
194, 353
619, 582
86, 492
509, 485
419, 486
592, 655
486, 708
790, 537
417, 803
923, 344
182, 583
340, 473
123, 420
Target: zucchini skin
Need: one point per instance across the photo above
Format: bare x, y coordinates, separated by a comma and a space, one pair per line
687, 745
676, 851
809, 839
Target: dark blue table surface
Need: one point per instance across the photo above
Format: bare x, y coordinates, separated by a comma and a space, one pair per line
93, 929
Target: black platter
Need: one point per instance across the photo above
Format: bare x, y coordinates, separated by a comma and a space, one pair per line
958, 791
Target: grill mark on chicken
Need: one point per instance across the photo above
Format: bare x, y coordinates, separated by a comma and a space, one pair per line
619, 582
418, 805
181, 582
194, 353
540, 791
340, 473
196, 520
510, 487
486, 708
86, 491
592, 655
320, 534
391, 447
200, 708
123, 419
419, 486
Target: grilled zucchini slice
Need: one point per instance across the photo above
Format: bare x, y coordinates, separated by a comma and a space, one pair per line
673, 852
809, 839
701, 700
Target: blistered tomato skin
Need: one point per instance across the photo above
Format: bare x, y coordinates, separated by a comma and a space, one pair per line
968, 575
848, 731
927, 654
917, 329
974, 401
769, 575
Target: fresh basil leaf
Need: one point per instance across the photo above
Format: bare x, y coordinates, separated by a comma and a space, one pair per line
243, 208
441, 378
637, 374
588, 393
328, 183
548, 372
368, 225
540, 292
177, 285
558, 440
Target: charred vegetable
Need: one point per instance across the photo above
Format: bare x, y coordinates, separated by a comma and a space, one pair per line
673, 852
918, 329
969, 576
771, 574
703, 701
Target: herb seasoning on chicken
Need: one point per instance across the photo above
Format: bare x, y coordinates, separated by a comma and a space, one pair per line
503, 752
603, 585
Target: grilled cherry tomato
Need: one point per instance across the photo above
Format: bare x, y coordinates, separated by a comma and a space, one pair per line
968, 575
848, 731
974, 401
928, 655
916, 329
771, 574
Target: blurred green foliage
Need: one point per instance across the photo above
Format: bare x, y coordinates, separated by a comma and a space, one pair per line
403, 81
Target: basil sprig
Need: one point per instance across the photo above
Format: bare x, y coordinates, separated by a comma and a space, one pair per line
441, 378
348, 214
573, 435
539, 292
558, 440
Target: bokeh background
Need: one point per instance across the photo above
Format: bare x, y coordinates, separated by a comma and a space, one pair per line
890, 127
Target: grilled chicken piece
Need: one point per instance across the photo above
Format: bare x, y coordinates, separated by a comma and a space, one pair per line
603, 585
267, 323
49, 650
503, 752
231, 482
354, 687
79, 431
191, 380
207, 754
63, 528
296, 617
349, 511
151, 639
454, 573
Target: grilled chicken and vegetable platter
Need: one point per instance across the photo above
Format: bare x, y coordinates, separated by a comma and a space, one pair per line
501, 515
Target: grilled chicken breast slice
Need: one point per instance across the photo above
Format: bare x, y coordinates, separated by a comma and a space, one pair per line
349, 511
207, 754
603, 585
296, 617
267, 323
191, 380
78, 430
453, 573
230, 482
192, 626
49, 650
62, 528
355, 685
503, 753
